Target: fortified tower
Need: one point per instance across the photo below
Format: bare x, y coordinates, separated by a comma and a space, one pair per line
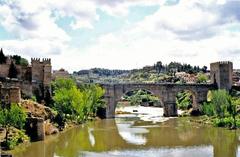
41, 71
41, 76
221, 74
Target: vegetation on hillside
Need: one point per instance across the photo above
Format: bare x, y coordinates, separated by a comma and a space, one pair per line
139, 97
157, 73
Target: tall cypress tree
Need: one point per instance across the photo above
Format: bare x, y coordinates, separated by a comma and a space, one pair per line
2, 57
12, 71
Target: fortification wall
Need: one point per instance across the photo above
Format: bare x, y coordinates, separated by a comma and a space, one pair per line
4, 70
25, 86
10, 94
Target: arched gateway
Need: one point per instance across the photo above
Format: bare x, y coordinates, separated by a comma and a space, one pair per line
221, 78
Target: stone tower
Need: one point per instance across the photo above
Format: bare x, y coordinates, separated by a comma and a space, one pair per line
221, 74
41, 71
41, 76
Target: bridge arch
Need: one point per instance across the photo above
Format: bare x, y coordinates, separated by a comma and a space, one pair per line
166, 92
185, 94
141, 91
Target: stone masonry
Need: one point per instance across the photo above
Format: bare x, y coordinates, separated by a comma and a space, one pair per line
221, 78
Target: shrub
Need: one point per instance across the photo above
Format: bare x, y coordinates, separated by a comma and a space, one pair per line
17, 137
183, 100
220, 101
223, 122
208, 109
13, 116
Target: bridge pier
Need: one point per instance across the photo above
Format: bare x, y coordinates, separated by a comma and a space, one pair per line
170, 109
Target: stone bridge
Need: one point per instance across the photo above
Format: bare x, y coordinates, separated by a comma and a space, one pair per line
221, 78
166, 92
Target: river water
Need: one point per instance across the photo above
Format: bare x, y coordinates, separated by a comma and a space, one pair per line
129, 136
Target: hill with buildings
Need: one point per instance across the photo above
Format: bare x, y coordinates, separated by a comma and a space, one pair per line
173, 72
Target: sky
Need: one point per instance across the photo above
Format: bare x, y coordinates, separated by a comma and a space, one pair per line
121, 34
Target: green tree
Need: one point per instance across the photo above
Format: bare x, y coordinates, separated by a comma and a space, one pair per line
220, 101
12, 71
201, 78
19, 60
79, 104
14, 116
61, 83
3, 58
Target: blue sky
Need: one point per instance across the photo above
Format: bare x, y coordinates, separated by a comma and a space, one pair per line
121, 34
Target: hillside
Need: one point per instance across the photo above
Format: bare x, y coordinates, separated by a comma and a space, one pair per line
173, 72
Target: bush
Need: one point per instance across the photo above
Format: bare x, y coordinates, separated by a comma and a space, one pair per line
16, 138
224, 122
184, 100
13, 116
201, 78
208, 109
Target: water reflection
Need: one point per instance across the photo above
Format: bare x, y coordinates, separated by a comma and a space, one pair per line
200, 151
131, 134
132, 137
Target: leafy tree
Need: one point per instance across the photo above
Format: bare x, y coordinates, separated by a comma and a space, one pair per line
3, 58
77, 104
12, 71
61, 83
201, 78
204, 69
14, 116
159, 67
24, 62
220, 101
19, 60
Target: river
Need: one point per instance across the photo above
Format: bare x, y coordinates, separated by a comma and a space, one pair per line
129, 135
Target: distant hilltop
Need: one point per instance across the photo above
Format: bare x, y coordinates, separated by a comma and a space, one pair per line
157, 67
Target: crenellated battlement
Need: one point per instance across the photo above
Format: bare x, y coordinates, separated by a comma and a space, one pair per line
46, 60
39, 61
222, 62
35, 60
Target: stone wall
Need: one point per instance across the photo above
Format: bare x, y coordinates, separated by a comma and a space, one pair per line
4, 70
10, 94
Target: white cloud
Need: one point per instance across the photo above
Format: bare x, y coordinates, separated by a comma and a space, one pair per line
196, 32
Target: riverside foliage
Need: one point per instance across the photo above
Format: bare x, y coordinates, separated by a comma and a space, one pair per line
223, 107
76, 103
12, 116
